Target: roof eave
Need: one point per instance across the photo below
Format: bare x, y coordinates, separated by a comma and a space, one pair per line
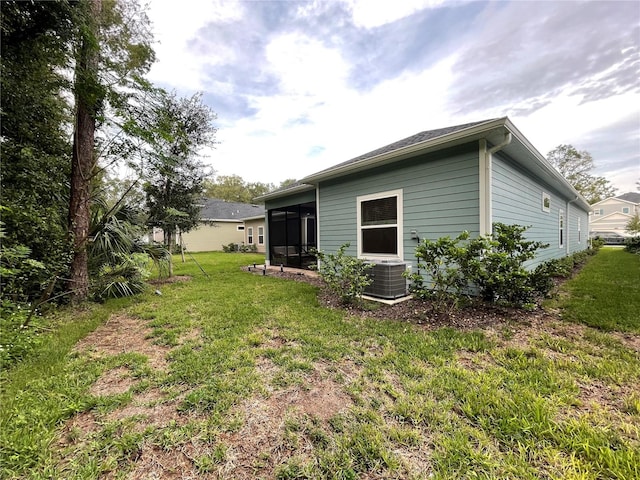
553, 176
616, 199
437, 143
285, 193
255, 217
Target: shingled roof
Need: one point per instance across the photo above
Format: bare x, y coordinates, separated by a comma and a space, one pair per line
221, 210
632, 197
407, 142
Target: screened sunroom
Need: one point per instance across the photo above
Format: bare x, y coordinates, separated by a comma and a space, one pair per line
292, 235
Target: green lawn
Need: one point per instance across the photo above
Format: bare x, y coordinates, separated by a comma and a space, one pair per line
606, 294
237, 375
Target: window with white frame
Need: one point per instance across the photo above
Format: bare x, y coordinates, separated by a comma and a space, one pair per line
250, 235
579, 231
546, 202
380, 224
260, 235
560, 228
597, 212
625, 209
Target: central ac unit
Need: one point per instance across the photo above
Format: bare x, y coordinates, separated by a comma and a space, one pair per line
388, 281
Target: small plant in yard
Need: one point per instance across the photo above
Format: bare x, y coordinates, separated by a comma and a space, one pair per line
239, 247
124, 278
346, 276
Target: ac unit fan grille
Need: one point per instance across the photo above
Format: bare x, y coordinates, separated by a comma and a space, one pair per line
388, 281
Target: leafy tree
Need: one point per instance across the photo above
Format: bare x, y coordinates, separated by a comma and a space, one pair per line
576, 167
35, 150
179, 128
112, 51
233, 188
633, 226
287, 182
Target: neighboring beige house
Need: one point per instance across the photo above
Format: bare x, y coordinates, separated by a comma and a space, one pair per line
254, 232
222, 223
612, 214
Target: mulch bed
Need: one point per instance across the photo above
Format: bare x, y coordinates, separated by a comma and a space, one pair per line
416, 311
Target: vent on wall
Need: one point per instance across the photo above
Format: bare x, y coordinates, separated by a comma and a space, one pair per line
388, 281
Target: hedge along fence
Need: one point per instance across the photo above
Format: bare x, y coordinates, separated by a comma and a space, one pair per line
491, 267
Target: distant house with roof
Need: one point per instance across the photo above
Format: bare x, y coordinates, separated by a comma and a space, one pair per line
612, 214
435, 183
222, 223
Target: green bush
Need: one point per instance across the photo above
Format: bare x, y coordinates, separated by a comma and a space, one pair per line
344, 275
122, 279
439, 260
491, 266
495, 264
632, 245
239, 247
18, 270
596, 244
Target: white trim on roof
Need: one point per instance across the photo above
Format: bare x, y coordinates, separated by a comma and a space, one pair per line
604, 217
285, 192
616, 199
436, 143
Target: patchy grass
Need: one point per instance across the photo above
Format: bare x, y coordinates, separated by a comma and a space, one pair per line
242, 376
606, 294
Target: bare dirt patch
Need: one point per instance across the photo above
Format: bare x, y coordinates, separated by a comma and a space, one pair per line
113, 382
155, 463
261, 445
123, 334
629, 340
151, 406
77, 428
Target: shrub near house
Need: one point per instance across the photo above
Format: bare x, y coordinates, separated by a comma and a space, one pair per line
491, 265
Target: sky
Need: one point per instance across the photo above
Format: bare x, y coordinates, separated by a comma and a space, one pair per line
299, 86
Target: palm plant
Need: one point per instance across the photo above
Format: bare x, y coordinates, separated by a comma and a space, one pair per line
118, 258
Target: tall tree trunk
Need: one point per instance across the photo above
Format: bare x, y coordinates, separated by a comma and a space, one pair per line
169, 237
83, 156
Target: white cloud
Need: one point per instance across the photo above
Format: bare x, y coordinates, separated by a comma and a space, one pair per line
374, 13
343, 122
305, 66
174, 26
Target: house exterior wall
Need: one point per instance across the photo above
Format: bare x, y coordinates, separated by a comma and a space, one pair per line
578, 229
614, 205
609, 216
211, 237
440, 196
255, 224
517, 198
614, 222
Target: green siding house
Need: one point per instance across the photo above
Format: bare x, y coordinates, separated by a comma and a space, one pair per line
432, 184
